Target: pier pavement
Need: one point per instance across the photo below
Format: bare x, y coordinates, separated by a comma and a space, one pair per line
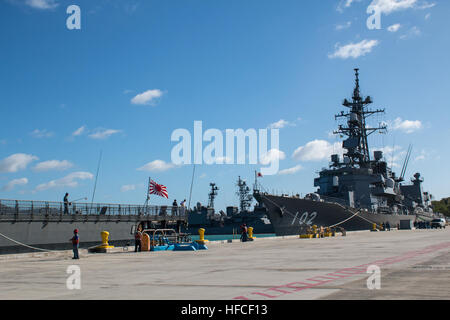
412, 264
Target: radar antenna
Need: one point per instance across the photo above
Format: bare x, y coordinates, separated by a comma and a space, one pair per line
245, 198
212, 195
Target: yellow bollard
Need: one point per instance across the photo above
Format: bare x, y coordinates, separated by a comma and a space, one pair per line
105, 244
102, 248
250, 233
374, 227
201, 233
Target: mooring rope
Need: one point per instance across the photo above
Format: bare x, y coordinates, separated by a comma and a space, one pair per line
25, 245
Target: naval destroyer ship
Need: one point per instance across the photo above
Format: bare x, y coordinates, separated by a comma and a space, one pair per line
354, 192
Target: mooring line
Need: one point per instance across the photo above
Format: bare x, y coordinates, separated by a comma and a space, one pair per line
25, 245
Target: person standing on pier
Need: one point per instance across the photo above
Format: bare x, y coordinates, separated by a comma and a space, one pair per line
244, 233
75, 243
137, 240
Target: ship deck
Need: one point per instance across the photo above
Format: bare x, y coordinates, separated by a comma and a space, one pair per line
47, 211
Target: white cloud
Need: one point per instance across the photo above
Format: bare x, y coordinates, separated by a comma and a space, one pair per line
103, 133
128, 187
317, 150
68, 181
394, 27
412, 33
389, 6
41, 133
407, 126
420, 157
13, 183
156, 166
79, 131
42, 4
427, 16
344, 26
271, 156
280, 124
291, 170
345, 4
53, 165
354, 50
147, 97
16, 162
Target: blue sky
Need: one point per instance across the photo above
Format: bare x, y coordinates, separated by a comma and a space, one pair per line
138, 70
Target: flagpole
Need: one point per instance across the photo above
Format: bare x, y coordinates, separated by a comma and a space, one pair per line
148, 192
192, 182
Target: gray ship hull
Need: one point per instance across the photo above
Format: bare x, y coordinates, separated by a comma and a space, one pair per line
54, 233
290, 216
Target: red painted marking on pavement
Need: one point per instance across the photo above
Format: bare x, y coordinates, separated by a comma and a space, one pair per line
279, 290
265, 294
347, 272
296, 288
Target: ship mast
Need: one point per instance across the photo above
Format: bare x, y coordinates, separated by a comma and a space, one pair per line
212, 195
356, 130
245, 198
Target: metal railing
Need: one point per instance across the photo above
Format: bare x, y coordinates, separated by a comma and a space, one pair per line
32, 207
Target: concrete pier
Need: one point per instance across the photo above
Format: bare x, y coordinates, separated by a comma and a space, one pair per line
413, 265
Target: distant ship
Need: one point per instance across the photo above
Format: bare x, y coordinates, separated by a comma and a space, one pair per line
355, 192
229, 222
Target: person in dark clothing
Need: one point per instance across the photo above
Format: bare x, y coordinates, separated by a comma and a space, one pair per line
244, 233
137, 241
66, 204
174, 207
75, 243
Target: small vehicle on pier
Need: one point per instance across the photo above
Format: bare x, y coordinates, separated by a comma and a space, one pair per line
438, 223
